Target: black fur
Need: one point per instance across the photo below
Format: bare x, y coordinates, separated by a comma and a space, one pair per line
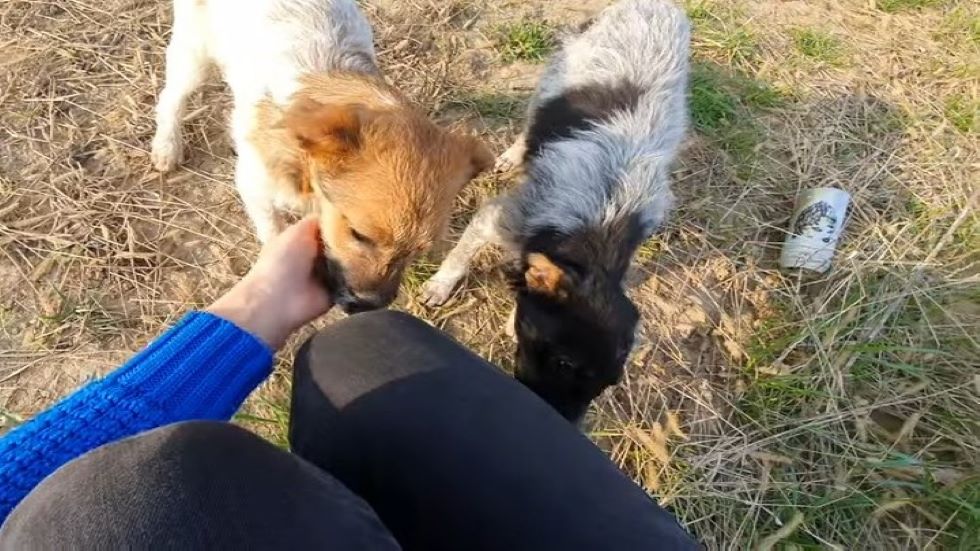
573, 346
330, 274
577, 109
608, 249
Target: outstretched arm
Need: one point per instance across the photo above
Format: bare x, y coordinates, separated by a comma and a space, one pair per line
202, 368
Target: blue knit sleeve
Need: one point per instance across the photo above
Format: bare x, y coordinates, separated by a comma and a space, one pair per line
202, 368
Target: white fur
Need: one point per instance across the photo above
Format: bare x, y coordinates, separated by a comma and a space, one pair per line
620, 167
483, 229
262, 48
513, 157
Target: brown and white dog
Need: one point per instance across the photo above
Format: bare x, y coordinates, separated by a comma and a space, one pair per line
316, 128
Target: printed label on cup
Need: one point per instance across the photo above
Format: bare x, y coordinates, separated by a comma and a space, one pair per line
815, 229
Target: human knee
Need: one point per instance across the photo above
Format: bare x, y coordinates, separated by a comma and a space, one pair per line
379, 326
209, 442
151, 461
187, 445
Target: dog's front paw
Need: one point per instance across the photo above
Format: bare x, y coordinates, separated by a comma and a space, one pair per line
511, 328
436, 292
167, 153
505, 163
513, 158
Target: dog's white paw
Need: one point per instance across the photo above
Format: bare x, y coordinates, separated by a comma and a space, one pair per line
436, 292
167, 153
513, 158
511, 328
506, 163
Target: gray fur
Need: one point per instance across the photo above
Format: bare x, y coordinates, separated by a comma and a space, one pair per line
612, 175
621, 165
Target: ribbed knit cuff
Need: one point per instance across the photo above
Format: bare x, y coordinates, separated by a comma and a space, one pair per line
202, 368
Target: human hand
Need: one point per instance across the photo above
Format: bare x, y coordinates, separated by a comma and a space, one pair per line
279, 294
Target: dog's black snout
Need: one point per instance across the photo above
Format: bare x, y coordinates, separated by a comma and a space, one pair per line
357, 307
363, 302
374, 300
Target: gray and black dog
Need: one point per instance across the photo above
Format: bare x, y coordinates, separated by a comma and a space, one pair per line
604, 127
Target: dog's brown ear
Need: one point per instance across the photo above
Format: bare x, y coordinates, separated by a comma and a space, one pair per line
328, 132
544, 277
482, 159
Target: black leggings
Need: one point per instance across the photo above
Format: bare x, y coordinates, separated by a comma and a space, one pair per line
400, 437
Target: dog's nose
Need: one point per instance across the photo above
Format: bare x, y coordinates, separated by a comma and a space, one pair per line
364, 302
358, 306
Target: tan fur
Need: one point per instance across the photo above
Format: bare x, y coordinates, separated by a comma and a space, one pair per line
544, 277
355, 150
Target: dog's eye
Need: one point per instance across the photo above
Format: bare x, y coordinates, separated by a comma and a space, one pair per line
360, 237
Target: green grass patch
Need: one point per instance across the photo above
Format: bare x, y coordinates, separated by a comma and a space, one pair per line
758, 95
713, 106
719, 30
818, 45
723, 107
967, 237
892, 6
963, 113
707, 12
274, 425
883, 359
699, 13
885, 475
769, 341
720, 99
649, 250
772, 400
9, 420
962, 23
525, 41
737, 45
768, 398
826, 512
793, 408
926, 219
491, 105
961, 504
418, 273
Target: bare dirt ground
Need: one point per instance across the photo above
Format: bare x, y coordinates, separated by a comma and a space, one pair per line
765, 409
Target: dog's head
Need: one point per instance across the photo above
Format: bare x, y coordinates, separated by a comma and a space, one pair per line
574, 329
384, 179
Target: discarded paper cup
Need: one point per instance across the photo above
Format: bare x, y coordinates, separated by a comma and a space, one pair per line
815, 228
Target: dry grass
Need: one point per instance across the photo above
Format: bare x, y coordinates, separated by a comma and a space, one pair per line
765, 409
